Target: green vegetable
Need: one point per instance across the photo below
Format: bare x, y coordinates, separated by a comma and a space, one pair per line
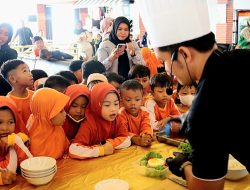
186, 148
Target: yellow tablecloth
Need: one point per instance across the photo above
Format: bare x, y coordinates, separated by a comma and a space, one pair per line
84, 174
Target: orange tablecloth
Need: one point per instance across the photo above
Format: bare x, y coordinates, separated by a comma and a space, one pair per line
84, 174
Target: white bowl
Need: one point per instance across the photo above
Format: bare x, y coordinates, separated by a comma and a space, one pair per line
112, 184
38, 175
40, 180
39, 172
235, 170
38, 164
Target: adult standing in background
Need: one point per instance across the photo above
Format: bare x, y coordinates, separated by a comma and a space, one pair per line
78, 28
119, 58
106, 27
6, 53
25, 35
190, 51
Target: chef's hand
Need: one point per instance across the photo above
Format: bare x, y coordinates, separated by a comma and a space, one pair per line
175, 164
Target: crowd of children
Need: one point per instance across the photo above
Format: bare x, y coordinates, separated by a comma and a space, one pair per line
85, 112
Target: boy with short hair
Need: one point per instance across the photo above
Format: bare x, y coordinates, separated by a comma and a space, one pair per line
115, 79
57, 82
39, 44
141, 73
76, 67
162, 106
18, 74
133, 116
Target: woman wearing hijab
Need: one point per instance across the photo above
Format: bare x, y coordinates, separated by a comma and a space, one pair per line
119, 58
6, 53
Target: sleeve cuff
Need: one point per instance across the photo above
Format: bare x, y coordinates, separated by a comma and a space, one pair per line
11, 139
101, 151
1, 180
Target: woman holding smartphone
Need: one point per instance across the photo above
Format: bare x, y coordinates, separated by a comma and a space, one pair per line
118, 54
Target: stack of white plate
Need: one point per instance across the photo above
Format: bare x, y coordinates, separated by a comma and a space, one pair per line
38, 170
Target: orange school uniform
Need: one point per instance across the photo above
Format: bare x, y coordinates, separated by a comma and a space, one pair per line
23, 105
136, 125
47, 139
157, 113
94, 129
73, 91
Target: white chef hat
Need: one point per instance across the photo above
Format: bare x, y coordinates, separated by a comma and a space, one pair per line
170, 22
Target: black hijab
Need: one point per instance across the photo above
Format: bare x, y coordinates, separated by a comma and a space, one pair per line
123, 61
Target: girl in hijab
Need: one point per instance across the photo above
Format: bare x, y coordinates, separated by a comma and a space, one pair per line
6, 53
100, 133
47, 137
10, 126
75, 108
119, 54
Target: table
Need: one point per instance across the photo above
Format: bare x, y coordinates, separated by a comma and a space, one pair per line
84, 174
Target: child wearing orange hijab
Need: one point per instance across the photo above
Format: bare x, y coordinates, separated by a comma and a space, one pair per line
15, 150
100, 133
151, 60
45, 123
75, 108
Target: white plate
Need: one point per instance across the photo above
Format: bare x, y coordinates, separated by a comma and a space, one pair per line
112, 184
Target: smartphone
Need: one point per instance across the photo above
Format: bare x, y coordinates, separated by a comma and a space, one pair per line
121, 46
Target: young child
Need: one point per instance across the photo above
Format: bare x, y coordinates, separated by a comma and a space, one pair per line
115, 79
91, 67
100, 133
54, 55
57, 82
39, 78
94, 79
69, 76
133, 116
75, 108
162, 106
15, 150
38, 45
185, 97
47, 137
141, 73
17, 73
76, 68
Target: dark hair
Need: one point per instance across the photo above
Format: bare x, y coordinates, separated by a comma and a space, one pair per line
140, 71
160, 80
5, 108
10, 30
131, 84
56, 81
75, 65
91, 67
9, 66
37, 38
115, 77
38, 73
43, 53
68, 75
201, 44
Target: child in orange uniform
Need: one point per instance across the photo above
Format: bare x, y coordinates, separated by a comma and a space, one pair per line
75, 108
100, 133
45, 123
162, 106
17, 73
133, 116
15, 150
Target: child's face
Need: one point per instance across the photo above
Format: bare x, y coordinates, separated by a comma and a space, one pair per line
132, 100
59, 119
22, 76
144, 81
7, 122
39, 44
77, 108
78, 75
187, 90
3, 35
160, 95
110, 107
